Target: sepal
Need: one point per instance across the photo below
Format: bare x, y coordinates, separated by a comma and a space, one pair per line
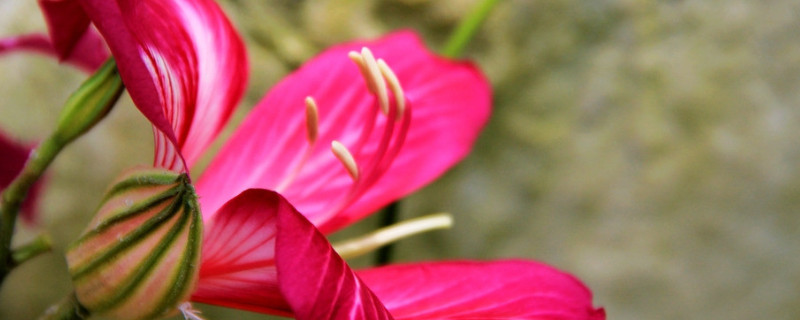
139, 257
90, 103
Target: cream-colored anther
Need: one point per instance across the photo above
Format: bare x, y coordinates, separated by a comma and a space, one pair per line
375, 76
312, 119
346, 158
359, 61
394, 85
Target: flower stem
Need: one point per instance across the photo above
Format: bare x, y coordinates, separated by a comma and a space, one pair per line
384, 254
467, 28
12, 197
67, 309
82, 110
39, 245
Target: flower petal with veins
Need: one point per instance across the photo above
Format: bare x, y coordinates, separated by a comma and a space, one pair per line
508, 289
238, 262
450, 100
182, 62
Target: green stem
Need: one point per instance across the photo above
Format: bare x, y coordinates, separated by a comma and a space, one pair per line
67, 309
30, 250
467, 28
384, 254
12, 197
82, 110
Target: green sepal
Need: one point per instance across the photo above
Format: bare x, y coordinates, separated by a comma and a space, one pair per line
139, 257
90, 103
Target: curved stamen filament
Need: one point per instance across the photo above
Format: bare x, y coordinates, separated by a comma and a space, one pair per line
375, 149
376, 156
312, 132
394, 86
384, 236
372, 75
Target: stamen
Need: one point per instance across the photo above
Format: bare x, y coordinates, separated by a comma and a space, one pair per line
375, 76
312, 119
394, 85
381, 237
356, 57
346, 158
189, 312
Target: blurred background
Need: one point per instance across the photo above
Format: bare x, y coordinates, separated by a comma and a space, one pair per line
647, 147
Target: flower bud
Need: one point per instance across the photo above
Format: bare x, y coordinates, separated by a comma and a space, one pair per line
139, 257
90, 103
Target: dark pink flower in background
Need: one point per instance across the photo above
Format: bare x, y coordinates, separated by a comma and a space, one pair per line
336, 140
89, 53
13, 156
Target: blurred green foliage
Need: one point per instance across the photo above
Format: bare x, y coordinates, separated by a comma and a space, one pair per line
646, 147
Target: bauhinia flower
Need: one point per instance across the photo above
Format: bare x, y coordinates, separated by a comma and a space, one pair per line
346, 134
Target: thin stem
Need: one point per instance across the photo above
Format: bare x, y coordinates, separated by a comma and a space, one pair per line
12, 197
384, 254
82, 110
467, 28
67, 309
30, 250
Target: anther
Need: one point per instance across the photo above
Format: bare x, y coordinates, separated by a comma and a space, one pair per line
359, 61
346, 158
394, 85
376, 78
312, 119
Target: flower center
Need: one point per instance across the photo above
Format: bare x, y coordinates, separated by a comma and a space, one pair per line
371, 154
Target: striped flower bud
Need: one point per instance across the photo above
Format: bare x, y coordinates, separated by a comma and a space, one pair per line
139, 257
90, 103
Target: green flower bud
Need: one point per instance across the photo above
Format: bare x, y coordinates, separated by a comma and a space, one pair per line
90, 103
139, 257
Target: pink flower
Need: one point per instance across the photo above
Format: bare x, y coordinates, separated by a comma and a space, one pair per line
185, 68
14, 156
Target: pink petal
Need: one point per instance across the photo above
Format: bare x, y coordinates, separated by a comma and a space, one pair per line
315, 281
198, 63
238, 267
109, 20
67, 23
89, 53
450, 102
183, 64
513, 289
12, 161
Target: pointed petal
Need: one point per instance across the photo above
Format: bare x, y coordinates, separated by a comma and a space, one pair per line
14, 156
198, 63
513, 289
237, 268
315, 281
270, 149
109, 20
182, 62
89, 53
67, 23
